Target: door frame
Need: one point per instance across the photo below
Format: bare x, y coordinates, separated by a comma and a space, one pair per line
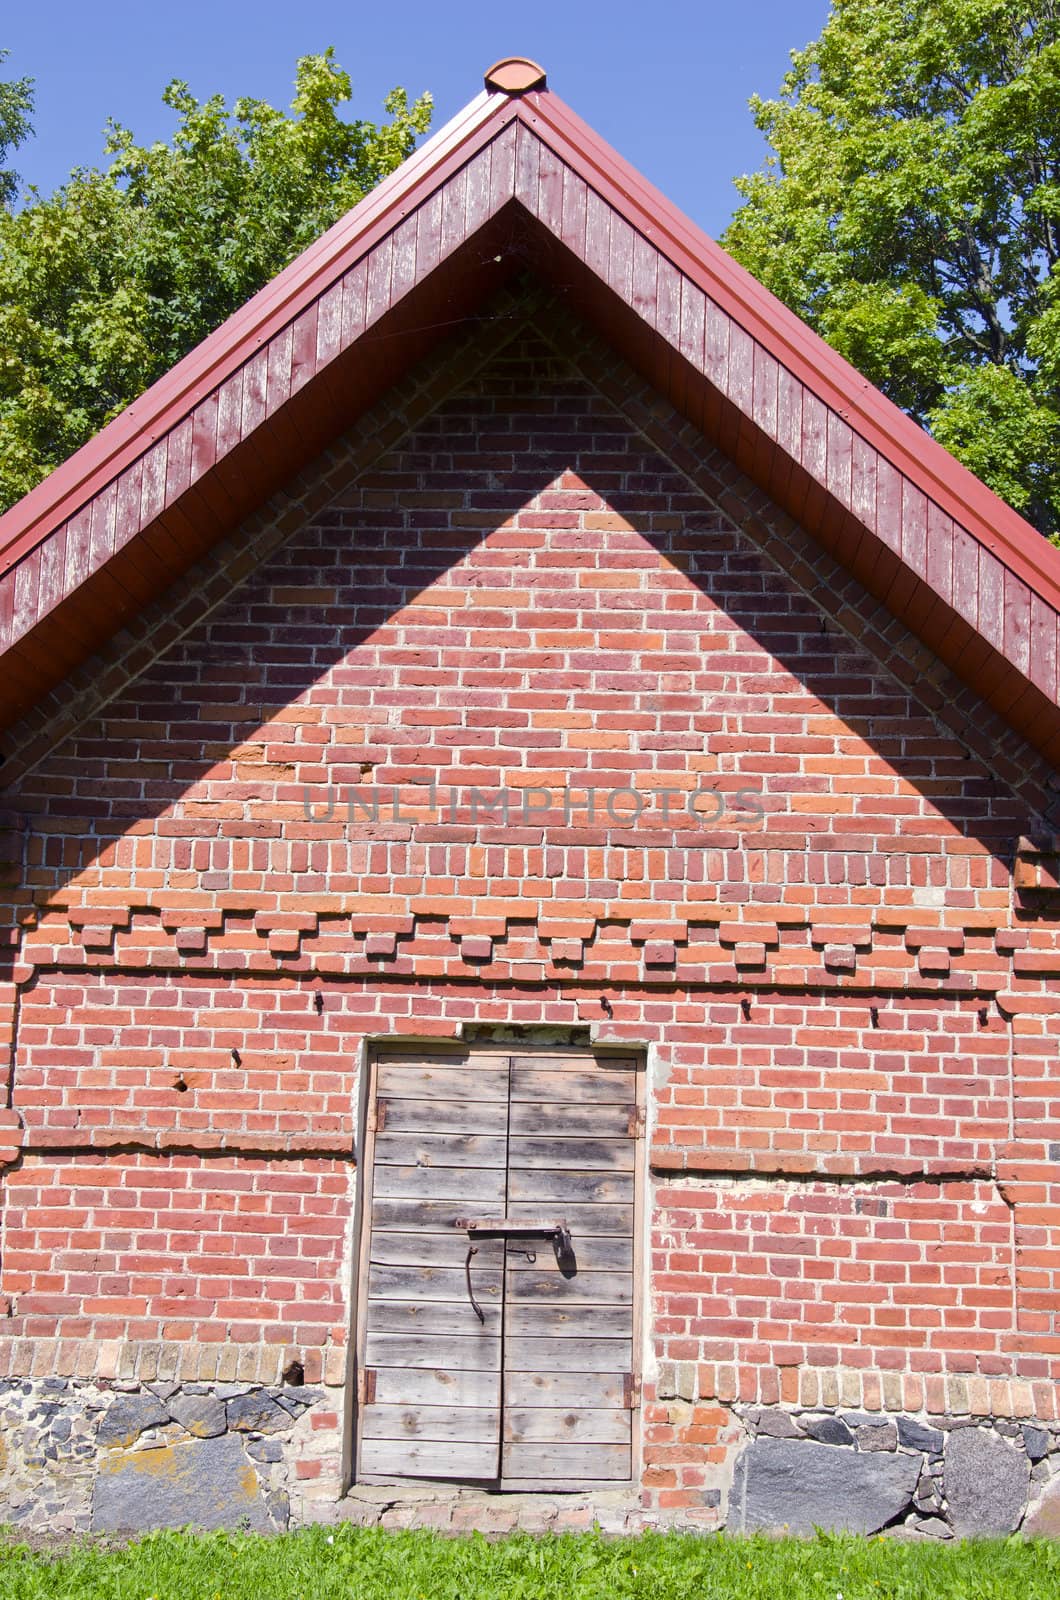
394, 1046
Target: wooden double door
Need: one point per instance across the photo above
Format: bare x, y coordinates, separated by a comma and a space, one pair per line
498, 1319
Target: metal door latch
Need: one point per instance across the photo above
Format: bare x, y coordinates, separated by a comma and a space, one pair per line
517, 1227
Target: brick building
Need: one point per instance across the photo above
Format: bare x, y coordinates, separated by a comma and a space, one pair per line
530, 905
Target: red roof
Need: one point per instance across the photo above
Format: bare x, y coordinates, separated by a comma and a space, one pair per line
518, 180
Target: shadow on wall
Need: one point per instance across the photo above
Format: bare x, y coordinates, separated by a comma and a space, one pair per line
522, 594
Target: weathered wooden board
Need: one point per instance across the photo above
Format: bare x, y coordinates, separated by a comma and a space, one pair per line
471, 1184
561, 1424
599, 1121
418, 1283
447, 1116
467, 1353
404, 1214
610, 1322
428, 1458
579, 1154
401, 1082
591, 1463
469, 1424
584, 1288
584, 1221
590, 1255
569, 1355
565, 1186
446, 1387
436, 1316
574, 1058
598, 1390
419, 1249
545, 1086
445, 1056
441, 1150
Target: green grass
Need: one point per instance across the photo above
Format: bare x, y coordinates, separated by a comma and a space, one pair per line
366, 1564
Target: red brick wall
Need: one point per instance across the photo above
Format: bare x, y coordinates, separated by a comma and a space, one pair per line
526, 594
833, 1084
783, 1274
177, 1248
839, 997
152, 1055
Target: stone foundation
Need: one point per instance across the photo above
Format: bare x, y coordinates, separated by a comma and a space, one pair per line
124, 1457
933, 1477
98, 1457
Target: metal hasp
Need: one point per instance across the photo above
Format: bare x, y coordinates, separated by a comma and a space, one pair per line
505, 1227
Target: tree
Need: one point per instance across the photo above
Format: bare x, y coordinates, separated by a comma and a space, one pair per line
910, 211
16, 103
108, 282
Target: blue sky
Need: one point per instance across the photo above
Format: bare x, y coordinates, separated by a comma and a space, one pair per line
665, 81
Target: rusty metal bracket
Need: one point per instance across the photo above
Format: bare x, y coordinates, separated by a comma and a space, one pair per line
511, 1225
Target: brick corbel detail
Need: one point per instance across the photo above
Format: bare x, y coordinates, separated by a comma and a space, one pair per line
694, 946
285, 930
1036, 873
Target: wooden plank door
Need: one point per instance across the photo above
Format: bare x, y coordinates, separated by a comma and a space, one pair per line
430, 1407
540, 1394
568, 1389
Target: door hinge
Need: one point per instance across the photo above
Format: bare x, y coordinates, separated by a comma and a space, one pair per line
377, 1116
635, 1126
630, 1391
366, 1386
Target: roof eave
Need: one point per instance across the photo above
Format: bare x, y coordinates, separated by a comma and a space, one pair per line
168, 400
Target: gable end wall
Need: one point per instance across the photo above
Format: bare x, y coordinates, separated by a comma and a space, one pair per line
847, 1005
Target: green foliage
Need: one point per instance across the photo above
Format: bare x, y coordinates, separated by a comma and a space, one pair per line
108, 282
367, 1564
16, 103
910, 211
